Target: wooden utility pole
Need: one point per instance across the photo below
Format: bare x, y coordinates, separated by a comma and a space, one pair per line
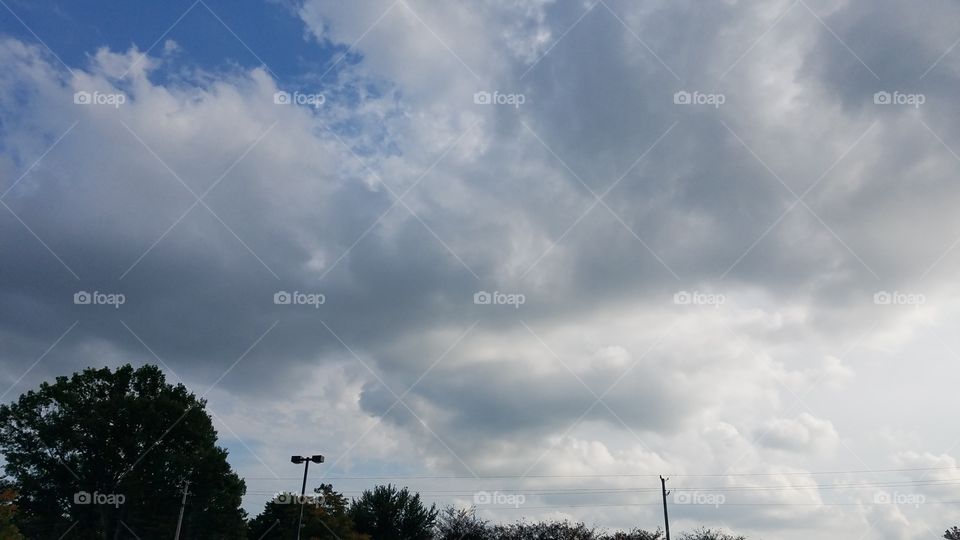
666, 518
183, 504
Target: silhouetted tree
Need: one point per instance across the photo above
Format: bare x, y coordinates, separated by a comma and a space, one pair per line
324, 517
103, 453
634, 534
461, 524
708, 534
544, 530
388, 513
952, 533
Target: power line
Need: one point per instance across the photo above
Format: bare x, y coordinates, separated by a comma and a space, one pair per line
629, 475
626, 491
525, 507
777, 487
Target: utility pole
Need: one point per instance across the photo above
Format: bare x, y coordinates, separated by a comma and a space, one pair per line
666, 519
183, 504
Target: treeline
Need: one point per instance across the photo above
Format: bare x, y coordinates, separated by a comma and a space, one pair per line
392, 513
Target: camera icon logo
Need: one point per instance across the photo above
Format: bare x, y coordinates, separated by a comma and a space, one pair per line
882, 497
82, 98
282, 298
82, 298
482, 298
882, 298
81, 497
882, 98
482, 98
682, 98
281, 98
682, 298
682, 497
482, 497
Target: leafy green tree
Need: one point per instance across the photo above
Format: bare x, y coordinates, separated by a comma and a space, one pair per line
324, 517
388, 513
103, 453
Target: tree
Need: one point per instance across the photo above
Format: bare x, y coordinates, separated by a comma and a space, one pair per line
634, 534
709, 534
388, 513
104, 453
8, 531
952, 533
461, 524
324, 517
552, 530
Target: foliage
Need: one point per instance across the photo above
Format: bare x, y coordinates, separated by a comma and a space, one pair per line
463, 524
324, 517
709, 534
8, 531
634, 534
388, 513
543, 530
104, 453
460, 524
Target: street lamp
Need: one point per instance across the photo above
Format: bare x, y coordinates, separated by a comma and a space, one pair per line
303, 490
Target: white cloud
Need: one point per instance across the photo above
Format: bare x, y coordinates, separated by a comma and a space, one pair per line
804, 433
696, 389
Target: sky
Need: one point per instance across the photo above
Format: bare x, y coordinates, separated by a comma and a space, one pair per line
525, 254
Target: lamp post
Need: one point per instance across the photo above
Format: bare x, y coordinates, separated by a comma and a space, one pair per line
303, 489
